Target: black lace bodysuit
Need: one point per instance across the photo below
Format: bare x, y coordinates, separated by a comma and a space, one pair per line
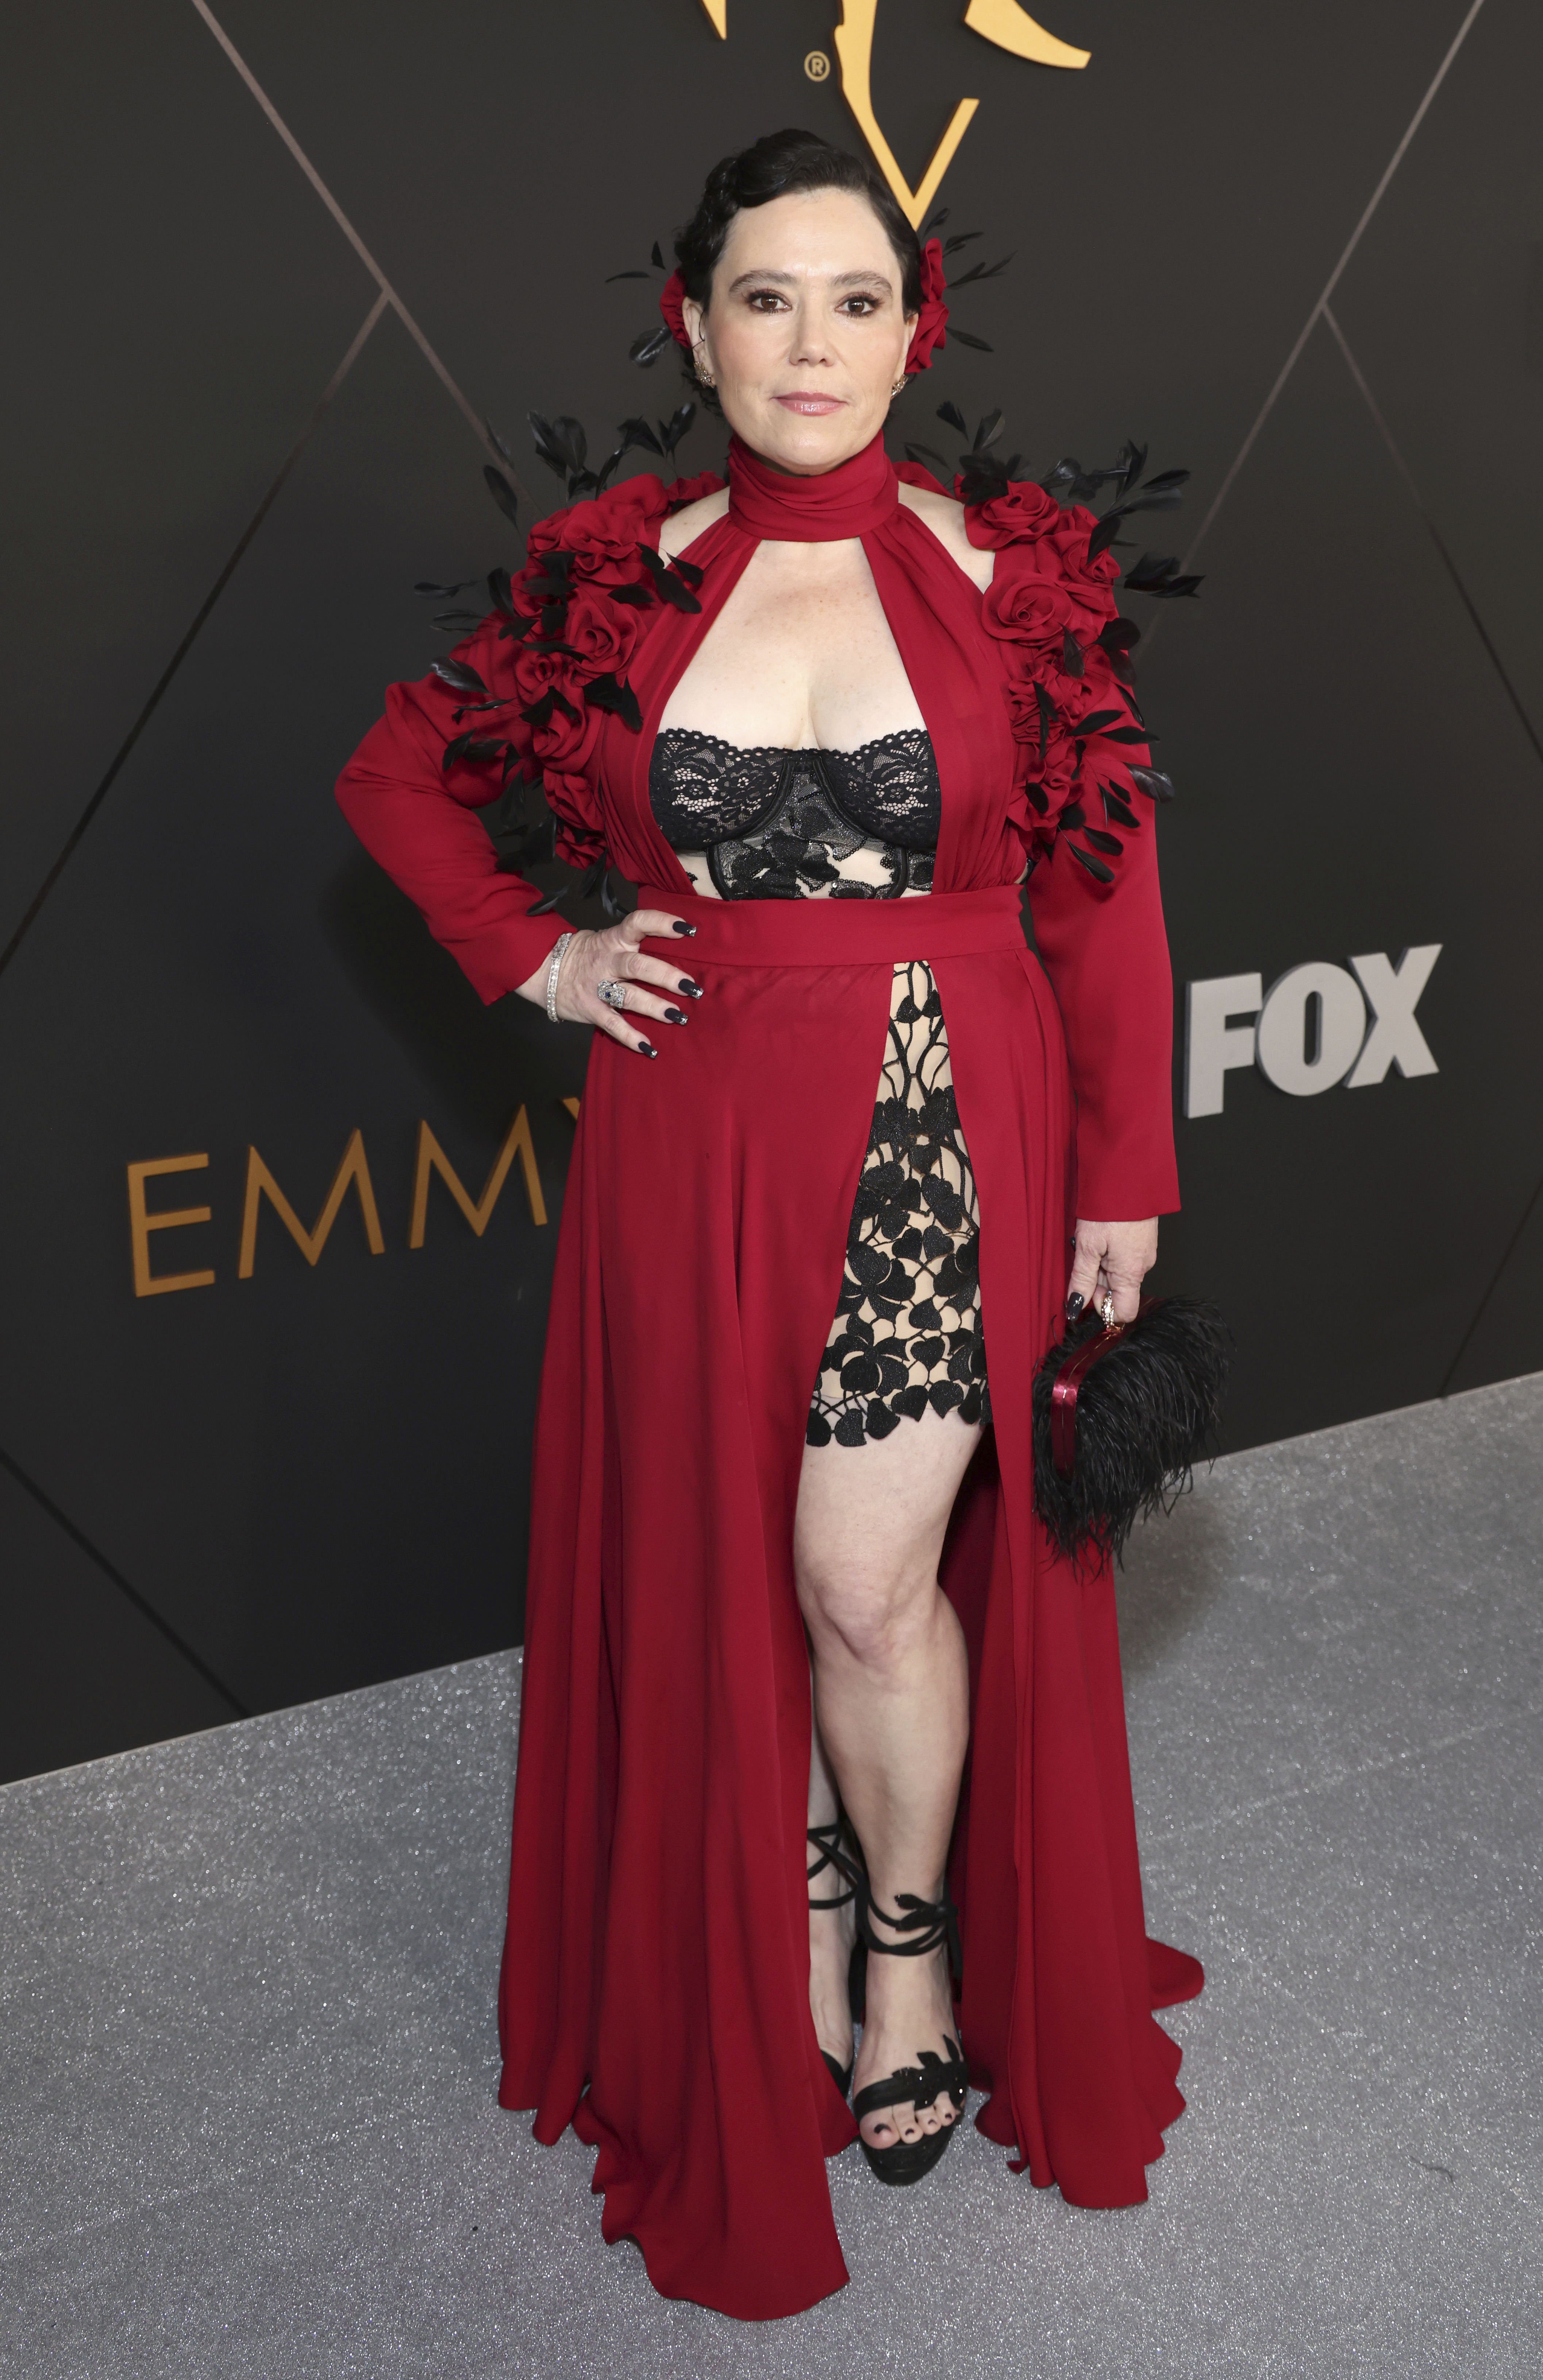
780, 825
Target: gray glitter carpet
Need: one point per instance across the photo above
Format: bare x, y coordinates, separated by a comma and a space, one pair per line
248, 1988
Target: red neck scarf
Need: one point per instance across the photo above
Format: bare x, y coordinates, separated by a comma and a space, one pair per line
859, 495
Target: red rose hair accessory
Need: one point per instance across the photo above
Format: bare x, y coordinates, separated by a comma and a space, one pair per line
933, 317
669, 307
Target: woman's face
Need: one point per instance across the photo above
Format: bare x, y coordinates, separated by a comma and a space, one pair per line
804, 333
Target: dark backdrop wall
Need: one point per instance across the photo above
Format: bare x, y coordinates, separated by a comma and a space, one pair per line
268, 269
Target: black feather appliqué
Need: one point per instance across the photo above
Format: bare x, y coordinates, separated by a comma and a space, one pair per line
1147, 1412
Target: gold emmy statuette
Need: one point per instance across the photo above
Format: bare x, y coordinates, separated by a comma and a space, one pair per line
1010, 27
1001, 22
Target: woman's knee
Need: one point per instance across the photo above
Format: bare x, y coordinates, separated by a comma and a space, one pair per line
869, 1609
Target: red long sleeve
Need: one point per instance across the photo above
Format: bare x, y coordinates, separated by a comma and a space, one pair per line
415, 818
1090, 824
1105, 951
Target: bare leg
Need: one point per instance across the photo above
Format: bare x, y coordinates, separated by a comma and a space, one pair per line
831, 1931
891, 1693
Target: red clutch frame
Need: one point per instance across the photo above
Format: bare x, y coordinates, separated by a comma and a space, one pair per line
1069, 1380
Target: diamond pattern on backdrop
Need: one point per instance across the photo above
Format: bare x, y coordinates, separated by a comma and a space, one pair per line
313, 1479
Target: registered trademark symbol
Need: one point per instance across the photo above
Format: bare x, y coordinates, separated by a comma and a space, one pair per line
817, 65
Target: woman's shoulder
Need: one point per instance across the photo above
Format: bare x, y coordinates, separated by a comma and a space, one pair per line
945, 516
692, 513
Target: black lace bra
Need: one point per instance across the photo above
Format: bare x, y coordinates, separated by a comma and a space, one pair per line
781, 824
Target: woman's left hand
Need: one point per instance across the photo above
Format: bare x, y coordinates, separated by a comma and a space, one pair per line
1113, 1258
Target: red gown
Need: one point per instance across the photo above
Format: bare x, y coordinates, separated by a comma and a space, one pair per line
655, 1981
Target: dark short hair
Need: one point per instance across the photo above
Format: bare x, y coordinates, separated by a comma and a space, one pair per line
781, 162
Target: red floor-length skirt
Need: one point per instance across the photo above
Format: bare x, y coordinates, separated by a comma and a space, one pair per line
655, 1983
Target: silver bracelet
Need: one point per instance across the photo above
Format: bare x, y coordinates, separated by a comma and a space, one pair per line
558, 947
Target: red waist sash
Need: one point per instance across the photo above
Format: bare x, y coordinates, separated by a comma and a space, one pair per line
841, 933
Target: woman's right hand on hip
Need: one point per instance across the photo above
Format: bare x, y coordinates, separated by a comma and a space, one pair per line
613, 956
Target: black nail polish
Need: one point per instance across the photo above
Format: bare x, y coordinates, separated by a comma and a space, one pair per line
647, 1048
674, 1015
681, 927
692, 990
1075, 1304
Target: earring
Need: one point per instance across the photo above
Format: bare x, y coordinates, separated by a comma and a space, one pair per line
704, 380
898, 386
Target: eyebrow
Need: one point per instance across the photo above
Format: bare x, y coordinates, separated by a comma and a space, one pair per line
840, 280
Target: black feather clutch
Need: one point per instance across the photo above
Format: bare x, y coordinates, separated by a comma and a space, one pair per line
1121, 1418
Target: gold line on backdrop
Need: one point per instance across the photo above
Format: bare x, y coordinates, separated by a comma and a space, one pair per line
1329, 286
408, 322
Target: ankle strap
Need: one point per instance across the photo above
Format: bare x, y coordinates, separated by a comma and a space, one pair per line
930, 1925
827, 1841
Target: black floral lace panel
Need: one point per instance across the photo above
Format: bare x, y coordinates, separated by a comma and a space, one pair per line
781, 825
787, 825
907, 1332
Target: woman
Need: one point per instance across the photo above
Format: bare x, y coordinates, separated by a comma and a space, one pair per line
836, 1127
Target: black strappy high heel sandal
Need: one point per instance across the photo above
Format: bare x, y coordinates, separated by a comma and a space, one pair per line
847, 1862
930, 1925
